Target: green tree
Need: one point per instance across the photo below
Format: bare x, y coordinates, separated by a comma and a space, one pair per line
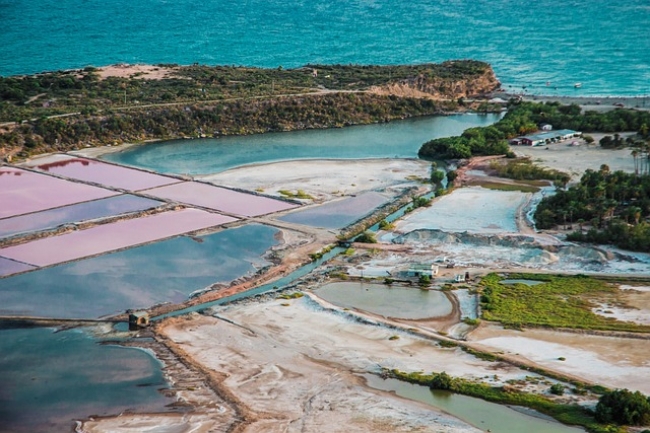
623, 407
366, 238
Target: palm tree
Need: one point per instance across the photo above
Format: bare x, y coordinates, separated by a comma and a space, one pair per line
636, 162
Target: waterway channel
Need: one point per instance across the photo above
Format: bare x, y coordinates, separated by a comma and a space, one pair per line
399, 139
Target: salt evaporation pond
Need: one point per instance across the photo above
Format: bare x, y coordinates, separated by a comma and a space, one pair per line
112, 175
476, 210
166, 271
51, 379
338, 214
27, 192
388, 301
479, 413
388, 140
52, 218
221, 199
9, 267
111, 237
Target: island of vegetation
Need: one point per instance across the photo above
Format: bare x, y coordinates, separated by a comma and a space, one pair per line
65, 110
614, 205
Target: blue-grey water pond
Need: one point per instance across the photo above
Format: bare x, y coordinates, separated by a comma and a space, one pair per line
167, 271
50, 379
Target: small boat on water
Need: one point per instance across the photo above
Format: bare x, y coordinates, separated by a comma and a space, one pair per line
577, 85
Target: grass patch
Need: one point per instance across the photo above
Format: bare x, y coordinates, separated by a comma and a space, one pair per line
295, 295
447, 344
300, 194
559, 302
507, 187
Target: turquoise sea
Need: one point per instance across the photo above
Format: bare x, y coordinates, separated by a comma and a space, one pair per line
604, 45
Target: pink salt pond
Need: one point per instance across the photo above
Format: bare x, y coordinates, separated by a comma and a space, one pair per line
23, 191
220, 199
111, 237
8, 267
102, 173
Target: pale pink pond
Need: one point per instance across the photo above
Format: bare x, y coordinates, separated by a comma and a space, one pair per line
78, 212
8, 267
221, 199
110, 237
102, 173
23, 191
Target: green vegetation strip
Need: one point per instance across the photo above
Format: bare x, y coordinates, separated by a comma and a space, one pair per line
559, 302
507, 187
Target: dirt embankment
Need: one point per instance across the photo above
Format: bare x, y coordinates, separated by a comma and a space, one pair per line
440, 88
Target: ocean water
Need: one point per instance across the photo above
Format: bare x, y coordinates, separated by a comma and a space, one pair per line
602, 44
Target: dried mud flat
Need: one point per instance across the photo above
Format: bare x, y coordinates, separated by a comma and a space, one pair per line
293, 365
611, 361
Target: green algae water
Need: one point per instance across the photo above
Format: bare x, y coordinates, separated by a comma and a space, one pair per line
49, 379
388, 301
602, 44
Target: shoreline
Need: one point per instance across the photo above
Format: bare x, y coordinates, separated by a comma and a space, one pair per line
602, 103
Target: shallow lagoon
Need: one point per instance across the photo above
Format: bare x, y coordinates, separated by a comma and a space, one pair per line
389, 301
166, 271
388, 140
50, 379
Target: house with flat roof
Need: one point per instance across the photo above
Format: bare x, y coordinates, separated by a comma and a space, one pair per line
419, 270
544, 138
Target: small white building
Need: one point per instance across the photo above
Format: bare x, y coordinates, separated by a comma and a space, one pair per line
419, 270
546, 127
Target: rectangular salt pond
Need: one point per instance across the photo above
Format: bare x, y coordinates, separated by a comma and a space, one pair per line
9, 267
474, 210
50, 378
388, 301
338, 214
52, 218
23, 191
166, 271
110, 237
220, 199
103, 173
